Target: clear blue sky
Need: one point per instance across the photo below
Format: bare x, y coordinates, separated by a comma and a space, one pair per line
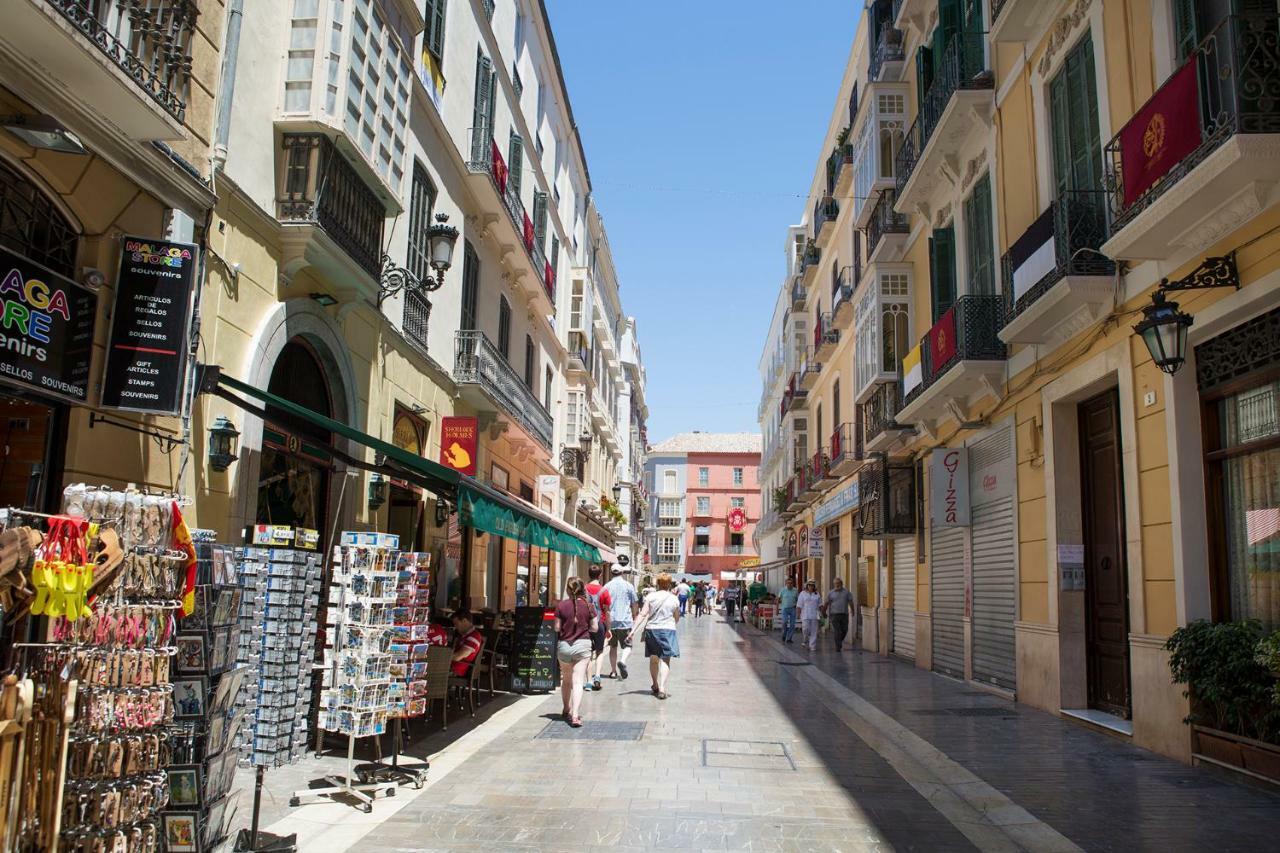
702, 122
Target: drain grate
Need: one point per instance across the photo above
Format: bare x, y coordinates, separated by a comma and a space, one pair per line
746, 754
967, 712
601, 730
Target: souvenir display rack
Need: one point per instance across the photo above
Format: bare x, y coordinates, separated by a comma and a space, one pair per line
358, 689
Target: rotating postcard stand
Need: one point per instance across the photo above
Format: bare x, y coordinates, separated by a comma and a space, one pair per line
358, 688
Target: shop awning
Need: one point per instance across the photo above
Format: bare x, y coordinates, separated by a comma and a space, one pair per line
492, 511
421, 471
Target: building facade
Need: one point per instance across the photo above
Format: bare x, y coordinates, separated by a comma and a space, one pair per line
1044, 493
705, 504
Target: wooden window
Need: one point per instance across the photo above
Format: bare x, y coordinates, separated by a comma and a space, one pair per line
470, 287
529, 358
942, 270
515, 163
421, 202
504, 327
1073, 112
979, 238
433, 36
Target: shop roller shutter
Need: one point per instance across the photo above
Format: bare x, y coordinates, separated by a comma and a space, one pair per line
993, 593
946, 550
904, 598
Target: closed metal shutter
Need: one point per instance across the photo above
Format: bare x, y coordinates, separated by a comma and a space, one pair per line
994, 543
946, 572
904, 597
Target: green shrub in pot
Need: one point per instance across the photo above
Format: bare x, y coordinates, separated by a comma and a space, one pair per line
1268, 656
1229, 689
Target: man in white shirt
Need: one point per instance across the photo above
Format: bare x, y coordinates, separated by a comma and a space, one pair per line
623, 607
807, 605
682, 593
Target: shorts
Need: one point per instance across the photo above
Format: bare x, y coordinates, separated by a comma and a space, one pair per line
661, 643
620, 637
597, 640
573, 652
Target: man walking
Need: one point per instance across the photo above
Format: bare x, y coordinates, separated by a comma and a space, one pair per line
624, 604
682, 593
730, 602
808, 603
598, 598
838, 604
787, 598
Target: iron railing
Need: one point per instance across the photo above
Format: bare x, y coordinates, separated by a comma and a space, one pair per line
478, 362
1077, 221
963, 66
319, 187
879, 413
888, 49
824, 210
417, 314
846, 444
1237, 68
887, 499
977, 319
798, 293
573, 463
820, 467
997, 6
580, 349
885, 220
823, 332
149, 40
811, 258
842, 287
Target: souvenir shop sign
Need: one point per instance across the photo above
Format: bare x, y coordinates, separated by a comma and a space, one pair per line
949, 487
534, 649
459, 443
46, 329
147, 353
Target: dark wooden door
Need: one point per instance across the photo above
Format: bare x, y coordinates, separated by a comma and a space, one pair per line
1106, 585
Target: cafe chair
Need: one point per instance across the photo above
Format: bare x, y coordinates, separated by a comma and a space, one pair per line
438, 679
469, 683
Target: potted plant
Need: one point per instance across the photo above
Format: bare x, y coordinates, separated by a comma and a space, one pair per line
780, 497
1228, 670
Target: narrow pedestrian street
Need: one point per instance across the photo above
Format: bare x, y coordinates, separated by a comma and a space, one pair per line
764, 747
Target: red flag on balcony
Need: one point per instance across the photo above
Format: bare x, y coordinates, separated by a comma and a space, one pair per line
499, 166
1160, 134
942, 340
528, 233
549, 279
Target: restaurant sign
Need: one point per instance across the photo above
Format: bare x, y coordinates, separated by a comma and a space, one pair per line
46, 329
146, 358
459, 440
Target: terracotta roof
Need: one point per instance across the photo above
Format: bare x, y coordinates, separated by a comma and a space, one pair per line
709, 442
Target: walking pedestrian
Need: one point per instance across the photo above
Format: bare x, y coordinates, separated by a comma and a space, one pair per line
808, 604
730, 602
682, 592
658, 619
574, 626
787, 597
711, 598
836, 608
624, 604
699, 599
599, 600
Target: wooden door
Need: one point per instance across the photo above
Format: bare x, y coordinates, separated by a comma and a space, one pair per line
1106, 583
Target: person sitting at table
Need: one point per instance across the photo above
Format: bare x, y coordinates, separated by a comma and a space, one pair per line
467, 646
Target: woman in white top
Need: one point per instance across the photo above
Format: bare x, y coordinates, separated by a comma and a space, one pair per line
658, 618
807, 604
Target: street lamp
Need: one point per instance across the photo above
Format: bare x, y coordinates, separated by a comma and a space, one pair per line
222, 441
617, 492
1164, 328
377, 491
441, 239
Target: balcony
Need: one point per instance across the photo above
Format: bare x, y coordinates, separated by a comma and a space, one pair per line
810, 370
887, 230
799, 294
879, 418
809, 263
796, 395
842, 299
1210, 178
825, 212
669, 522
820, 473
413, 323
579, 353
331, 219
1019, 21
961, 357
797, 486
1056, 282
912, 13
487, 383
886, 500
487, 167
123, 63
842, 161
573, 464
825, 337
887, 57
953, 117
846, 450
882, 329
879, 135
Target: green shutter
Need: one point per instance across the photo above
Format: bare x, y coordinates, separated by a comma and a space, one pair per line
978, 238
515, 163
1073, 113
942, 270
483, 110
540, 218
435, 28
924, 74
470, 287
1185, 32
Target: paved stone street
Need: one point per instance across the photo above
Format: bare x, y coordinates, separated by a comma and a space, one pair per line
758, 748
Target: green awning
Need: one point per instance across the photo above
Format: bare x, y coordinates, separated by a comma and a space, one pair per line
494, 513
435, 474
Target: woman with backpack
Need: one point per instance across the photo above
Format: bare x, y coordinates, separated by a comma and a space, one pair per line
658, 619
575, 624
699, 599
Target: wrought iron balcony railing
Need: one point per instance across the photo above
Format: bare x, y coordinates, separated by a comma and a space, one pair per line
824, 334
888, 49
573, 463
885, 220
842, 287
963, 66
319, 187
1237, 71
973, 323
798, 293
149, 40
886, 499
997, 6
417, 314
811, 258
1076, 221
825, 210
478, 362
880, 411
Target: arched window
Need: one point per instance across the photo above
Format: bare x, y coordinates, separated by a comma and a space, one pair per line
33, 226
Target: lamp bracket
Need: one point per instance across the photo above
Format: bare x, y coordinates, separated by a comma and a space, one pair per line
166, 443
394, 278
1217, 271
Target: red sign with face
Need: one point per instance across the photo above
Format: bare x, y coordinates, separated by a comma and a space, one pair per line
737, 519
459, 441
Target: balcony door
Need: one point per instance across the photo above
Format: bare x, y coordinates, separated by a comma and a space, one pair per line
979, 238
1073, 111
942, 270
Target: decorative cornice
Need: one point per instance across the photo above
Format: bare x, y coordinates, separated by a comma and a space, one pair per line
1061, 32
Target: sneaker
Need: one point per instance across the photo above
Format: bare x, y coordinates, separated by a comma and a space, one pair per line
622, 668
595, 685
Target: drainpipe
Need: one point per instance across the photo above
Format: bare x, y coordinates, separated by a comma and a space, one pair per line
227, 83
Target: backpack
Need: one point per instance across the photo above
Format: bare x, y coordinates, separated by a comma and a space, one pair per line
593, 598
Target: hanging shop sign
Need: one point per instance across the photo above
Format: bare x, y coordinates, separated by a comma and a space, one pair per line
46, 329
146, 356
749, 563
459, 442
949, 487
841, 502
816, 542
737, 519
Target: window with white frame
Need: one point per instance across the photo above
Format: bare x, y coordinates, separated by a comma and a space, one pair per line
378, 79
704, 476
704, 505
668, 546
572, 417
738, 503
669, 481
737, 476
669, 512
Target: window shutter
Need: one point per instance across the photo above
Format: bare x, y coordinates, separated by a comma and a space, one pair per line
924, 74
529, 357
977, 215
1185, 32
435, 27
515, 163
942, 270
482, 114
470, 287
504, 328
540, 218
554, 256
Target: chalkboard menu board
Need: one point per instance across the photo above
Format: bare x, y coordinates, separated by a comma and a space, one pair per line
533, 651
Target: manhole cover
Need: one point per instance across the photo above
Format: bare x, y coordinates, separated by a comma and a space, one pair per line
968, 712
599, 730
746, 754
